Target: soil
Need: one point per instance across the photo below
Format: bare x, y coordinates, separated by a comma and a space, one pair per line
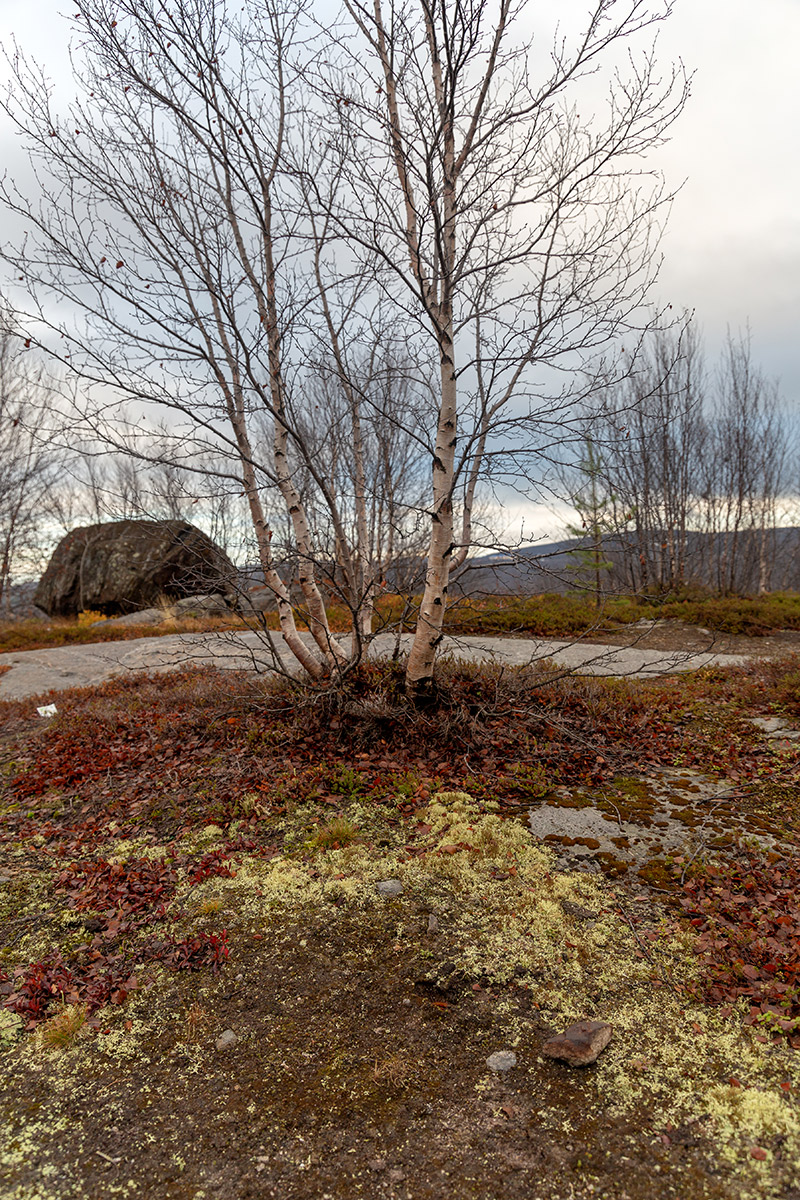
348, 1080
678, 636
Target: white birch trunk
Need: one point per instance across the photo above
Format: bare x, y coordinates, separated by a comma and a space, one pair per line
430, 622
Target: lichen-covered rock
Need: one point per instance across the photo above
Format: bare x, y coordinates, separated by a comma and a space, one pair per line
123, 566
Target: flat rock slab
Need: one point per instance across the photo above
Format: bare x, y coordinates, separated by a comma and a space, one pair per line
581, 1044
775, 727
36, 672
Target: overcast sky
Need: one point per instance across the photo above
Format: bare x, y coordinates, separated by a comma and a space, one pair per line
733, 247
732, 251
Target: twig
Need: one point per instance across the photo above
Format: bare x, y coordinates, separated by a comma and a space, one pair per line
665, 978
613, 805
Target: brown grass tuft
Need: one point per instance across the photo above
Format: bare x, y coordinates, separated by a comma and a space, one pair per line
61, 1030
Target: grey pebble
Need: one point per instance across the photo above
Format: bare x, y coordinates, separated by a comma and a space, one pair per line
501, 1060
390, 887
226, 1039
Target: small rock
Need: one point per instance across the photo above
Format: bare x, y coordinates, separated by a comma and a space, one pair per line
250, 603
433, 923
212, 605
767, 724
396, 1175
238, 978
226, 1040
581, 1044
501, 1060
390, 887
777, 730
145, 616
577, 910
377, 1164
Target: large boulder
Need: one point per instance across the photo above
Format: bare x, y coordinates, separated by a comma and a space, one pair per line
123, 566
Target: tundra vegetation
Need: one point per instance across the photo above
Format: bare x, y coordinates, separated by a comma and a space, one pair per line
193, 854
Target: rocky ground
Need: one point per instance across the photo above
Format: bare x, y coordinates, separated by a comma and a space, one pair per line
31, 672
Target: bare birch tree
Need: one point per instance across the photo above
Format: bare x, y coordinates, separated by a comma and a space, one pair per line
166, 219
517, 234
218, 204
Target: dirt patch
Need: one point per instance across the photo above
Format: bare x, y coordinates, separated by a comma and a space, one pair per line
346, 1080
677, 636
361, 1039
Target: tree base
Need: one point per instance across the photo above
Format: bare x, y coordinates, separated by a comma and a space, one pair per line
422, 693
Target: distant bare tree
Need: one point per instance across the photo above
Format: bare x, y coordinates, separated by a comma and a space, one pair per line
746, 466
27, 464
652, 432
106, 486
697, 468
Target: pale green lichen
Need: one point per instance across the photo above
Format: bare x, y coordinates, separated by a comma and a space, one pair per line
11, 1027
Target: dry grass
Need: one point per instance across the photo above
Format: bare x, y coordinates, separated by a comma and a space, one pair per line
196, 1023
394, 1070
551, 615
60, 1032
546, 615
338, 832
541, 616
69, 631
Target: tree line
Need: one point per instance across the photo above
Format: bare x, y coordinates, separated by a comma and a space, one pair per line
691, 475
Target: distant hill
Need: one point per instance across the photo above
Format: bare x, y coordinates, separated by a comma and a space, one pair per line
524, 571
555, 567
